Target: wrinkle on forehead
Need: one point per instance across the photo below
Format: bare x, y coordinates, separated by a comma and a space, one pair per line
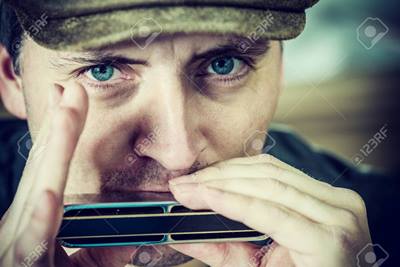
171, 45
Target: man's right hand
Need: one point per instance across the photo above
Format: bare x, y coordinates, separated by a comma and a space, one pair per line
30, 226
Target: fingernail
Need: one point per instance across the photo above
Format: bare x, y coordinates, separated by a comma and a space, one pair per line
184, 188
55, 96
70, 97
182, 180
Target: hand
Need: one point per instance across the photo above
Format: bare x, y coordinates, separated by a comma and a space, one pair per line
312, 223
29, 227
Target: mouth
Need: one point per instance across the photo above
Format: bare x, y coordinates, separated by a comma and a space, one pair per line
159, 184
154, 189
153, 179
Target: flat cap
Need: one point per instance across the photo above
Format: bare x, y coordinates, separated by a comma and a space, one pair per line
89, 24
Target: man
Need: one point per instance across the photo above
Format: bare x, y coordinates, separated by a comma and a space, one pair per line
201, 83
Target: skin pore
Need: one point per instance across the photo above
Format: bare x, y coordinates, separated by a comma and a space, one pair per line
183, 103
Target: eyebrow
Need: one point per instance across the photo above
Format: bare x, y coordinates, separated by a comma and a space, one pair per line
98, 57
253, 49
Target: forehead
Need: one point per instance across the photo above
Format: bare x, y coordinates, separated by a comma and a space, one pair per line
174, 43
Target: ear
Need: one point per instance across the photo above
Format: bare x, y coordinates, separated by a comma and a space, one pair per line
11, 86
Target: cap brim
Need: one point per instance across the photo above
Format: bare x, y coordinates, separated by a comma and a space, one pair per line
143, 25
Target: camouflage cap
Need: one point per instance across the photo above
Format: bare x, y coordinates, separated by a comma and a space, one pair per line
89, 24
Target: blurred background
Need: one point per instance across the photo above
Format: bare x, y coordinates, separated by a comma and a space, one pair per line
342, 81
342, 94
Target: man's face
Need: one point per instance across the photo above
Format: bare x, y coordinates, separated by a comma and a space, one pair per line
184, 102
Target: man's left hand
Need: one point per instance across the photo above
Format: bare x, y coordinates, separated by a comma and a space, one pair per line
311, 222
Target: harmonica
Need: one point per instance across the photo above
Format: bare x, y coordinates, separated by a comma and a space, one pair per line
144, 219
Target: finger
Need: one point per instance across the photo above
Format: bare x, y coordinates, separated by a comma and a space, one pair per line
282, 194
221, 254
262, 158
11, 220
306, 184
348, 199
33, 160
188, 194
66, 126
39, 133
286, 227
35, 244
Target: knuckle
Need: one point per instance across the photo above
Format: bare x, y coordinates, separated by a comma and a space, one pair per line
348, 219
216, 170
225, 256
355, 201
254, 208
276, 187
342, 238
266, 157
258, 207
359, 204
306, 202
325, 184
20, 253
270, 169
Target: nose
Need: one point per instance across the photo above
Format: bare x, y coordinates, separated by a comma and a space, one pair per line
173, 139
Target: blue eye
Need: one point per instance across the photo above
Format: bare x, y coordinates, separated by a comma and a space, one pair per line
101, 73
224, 65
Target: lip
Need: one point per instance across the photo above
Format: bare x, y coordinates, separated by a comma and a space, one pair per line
158, 189
158, 182
148, 188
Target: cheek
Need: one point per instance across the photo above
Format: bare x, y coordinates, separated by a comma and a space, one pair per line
109, 136
36, 98
38, 80
228, 130
232, 128
105, 139
103, 145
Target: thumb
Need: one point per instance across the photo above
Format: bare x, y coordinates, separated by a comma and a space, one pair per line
240, 254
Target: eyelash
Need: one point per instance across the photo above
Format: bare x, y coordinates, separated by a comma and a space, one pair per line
83, 70
226, 80
98, 85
